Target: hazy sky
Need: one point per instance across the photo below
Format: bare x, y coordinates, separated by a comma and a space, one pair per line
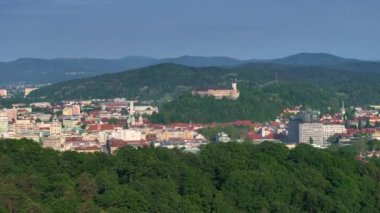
167, 28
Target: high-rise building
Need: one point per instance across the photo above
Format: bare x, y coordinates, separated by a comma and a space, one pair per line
309, 116
311, 133
304, 127
293, 130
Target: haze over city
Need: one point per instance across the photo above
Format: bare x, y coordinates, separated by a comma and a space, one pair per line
170, 28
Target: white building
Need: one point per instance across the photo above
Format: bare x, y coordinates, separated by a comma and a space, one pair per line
41, 105
332, 129
311, 132
222, 137
148, 110
3, 121
127, 135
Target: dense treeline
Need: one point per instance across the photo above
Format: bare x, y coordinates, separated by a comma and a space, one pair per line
257, 104
221, 178
252, 105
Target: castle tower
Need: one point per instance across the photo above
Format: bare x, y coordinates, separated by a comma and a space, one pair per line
234, 93
234, 85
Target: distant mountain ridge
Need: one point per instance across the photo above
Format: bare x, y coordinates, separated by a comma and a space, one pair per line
34, 70
313, 59
201, 61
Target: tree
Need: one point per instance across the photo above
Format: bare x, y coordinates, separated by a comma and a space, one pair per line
86, 186
113, 121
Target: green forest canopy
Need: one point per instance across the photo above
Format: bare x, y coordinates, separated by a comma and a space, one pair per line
221, 178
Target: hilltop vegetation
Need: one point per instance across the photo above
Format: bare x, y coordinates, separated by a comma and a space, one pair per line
318, 86
165, 81
261, 98
257, 104
222, 178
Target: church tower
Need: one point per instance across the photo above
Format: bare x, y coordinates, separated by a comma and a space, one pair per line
342, 109
131, 108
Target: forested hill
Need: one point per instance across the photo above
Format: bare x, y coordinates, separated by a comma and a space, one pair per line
221, 178
35, 70
165, 81
256, 104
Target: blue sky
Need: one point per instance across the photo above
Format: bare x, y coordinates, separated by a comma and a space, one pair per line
243, 29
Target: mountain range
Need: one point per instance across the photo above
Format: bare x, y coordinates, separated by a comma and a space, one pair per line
34, 70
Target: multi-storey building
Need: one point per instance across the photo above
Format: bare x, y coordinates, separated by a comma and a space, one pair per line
55, 128
12, 114
21, 126
311, 133
332, 129
305, 128
3, 121
71, 110
127, 135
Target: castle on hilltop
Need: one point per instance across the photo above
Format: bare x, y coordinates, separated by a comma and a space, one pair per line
219, 93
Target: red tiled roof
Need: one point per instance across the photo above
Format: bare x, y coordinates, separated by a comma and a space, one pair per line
270, 136
121, 143
73, 139
242, 123
102, 127
253, 136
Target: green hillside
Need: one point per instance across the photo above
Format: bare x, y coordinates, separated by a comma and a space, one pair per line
256, 104
165, 81
222, 178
